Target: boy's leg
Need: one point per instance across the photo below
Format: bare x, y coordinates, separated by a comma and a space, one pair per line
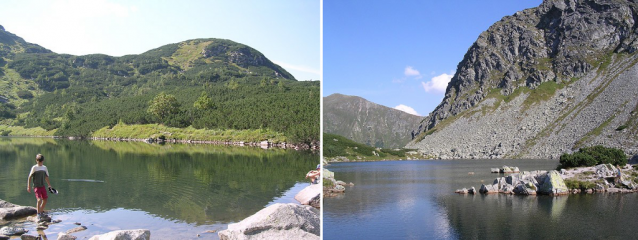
39, 204
43, 204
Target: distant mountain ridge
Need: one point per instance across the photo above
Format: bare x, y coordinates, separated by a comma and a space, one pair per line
241, 89
545, 81
367, 122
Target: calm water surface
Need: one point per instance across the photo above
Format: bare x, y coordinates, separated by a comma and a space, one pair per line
416, 200
175, 190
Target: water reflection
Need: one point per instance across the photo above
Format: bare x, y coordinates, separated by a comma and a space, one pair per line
415, 200
198, 184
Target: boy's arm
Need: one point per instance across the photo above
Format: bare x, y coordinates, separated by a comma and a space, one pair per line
47, 178
29, 184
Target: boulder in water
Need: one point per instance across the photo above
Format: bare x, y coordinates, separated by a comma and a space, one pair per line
137, 234
553, 184
311, 195
277, 221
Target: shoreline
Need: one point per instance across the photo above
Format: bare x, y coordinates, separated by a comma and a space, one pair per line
264, 144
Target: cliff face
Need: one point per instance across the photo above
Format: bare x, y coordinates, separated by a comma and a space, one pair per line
542, 82
366, 122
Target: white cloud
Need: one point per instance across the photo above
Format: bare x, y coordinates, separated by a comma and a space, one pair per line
411, 72
290, 68
406, 109
438, 83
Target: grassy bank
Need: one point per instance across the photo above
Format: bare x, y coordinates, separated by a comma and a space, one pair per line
145, 131
19, 131
338, 148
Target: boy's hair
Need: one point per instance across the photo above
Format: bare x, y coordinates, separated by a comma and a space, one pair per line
39, 157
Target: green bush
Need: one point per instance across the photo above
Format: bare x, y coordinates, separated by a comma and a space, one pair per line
591, 156
24, 94
576, 184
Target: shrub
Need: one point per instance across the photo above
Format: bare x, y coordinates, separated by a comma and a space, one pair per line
24, 94
576, 184
591, 156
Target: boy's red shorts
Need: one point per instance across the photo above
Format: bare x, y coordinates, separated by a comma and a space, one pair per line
41, 192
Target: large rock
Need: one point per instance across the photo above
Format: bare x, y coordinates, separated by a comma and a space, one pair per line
553, 184
137, 234
311, 195
278, 221
606, 171
486, 189
64, 236
17, 212
10, 211
327, 174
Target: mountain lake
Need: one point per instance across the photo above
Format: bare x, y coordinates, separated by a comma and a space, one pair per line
416, 200
177, 191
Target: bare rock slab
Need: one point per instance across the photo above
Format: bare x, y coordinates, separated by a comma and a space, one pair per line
310, 195
278, 221
11, 211
137, 234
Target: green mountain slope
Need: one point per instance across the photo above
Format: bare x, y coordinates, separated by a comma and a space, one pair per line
234, 85
338, 148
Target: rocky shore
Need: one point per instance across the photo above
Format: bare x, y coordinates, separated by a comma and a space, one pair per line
331, 186
282, 221
14, 217
599, 178
262, 144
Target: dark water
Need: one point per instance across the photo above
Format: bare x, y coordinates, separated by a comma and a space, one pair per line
416, 200
177, 191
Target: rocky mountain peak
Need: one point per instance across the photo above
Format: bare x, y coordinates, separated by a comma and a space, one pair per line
574, 51
556, 41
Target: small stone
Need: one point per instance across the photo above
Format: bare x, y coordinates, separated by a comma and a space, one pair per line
77, 229
28, 237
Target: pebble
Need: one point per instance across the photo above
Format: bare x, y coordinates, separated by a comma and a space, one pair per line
77, 229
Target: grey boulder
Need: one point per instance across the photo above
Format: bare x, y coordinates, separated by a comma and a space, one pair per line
137, 234
278, 221
310, 195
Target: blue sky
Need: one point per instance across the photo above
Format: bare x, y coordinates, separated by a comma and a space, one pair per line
402, 52
286, 31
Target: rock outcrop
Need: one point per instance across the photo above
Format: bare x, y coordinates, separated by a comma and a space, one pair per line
12, 211
525, 183
137, 234
278, 221
311, 195
545, 81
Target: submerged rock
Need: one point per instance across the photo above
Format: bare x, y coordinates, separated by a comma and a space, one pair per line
137, 234
29, 237
278, 221
10, 231
77, 229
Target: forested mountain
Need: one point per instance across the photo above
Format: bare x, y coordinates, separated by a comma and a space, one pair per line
204, 83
